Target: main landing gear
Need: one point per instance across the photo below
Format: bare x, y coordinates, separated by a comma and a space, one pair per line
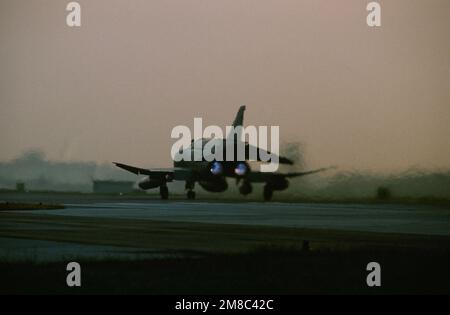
164, 192
190, 192
267, 193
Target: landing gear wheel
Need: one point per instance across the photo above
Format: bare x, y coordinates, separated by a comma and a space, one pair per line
246, 188
191, 194
164, 192
268, 193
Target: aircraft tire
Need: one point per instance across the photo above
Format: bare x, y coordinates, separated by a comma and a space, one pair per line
191, 194
164, 192
246, 188
268, 193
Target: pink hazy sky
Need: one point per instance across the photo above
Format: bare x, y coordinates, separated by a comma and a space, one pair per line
113, 89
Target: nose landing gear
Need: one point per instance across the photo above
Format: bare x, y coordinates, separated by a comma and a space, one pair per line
246, 188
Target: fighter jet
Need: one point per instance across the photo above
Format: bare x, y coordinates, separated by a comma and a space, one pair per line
212, 175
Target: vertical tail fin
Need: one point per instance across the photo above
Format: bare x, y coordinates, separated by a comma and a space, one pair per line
239, 120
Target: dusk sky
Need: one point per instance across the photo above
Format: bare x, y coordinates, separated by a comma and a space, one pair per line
113, 89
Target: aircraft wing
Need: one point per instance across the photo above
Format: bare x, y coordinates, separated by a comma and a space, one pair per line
297, 174
266, 176
177, 173
248, 147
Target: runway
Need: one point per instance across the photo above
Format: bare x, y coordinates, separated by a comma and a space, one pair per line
384, 218
137, 229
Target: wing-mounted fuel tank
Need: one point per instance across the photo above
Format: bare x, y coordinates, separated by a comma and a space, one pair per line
278, 183
147, 183
154, 181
